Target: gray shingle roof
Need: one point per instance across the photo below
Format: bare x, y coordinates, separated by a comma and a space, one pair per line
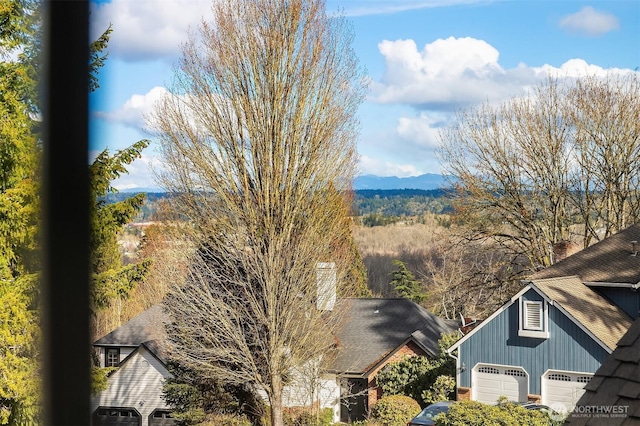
608, 261
144, 328
615, 384
373, 328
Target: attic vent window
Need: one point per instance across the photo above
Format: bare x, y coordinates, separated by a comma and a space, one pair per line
533, 319
533, 316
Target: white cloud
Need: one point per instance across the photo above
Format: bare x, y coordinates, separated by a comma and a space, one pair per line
421, 130
578, 68
450, 71
378, 167
147, 29
135, 109
387, 7
589, 22
457, 72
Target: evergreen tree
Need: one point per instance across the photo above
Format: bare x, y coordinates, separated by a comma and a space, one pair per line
19, 208
20, 151
112, 281
405, 284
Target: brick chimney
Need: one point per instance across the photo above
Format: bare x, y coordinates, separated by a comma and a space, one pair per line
564, 249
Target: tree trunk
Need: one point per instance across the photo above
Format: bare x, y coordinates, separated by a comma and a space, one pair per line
276, 400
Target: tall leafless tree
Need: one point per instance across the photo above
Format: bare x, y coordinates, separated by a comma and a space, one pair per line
606, 185
557, 164
258, 138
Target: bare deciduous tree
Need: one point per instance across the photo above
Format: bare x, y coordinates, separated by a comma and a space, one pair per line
606, 116
468, 278
559, 164
258, 137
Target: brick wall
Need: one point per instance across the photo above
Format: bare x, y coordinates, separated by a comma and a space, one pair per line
410, 349
463, 394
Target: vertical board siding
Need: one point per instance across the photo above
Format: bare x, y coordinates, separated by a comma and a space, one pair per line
627, 299
136, 384
567, 348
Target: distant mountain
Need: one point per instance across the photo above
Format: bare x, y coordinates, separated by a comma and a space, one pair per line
141, 189
427, 181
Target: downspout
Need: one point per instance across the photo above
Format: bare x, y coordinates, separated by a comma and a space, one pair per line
458, 370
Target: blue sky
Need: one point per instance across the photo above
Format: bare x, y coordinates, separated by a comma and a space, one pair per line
425, 58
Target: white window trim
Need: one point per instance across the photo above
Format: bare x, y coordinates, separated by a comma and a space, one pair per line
542, 333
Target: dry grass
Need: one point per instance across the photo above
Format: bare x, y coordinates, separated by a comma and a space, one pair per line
411, 243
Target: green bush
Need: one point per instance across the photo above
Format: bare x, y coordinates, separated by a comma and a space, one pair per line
441, 389
303, 416
395, 410
416, 374
473, 413
99, 378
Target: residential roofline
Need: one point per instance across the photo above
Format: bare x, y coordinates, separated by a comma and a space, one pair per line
612, 285
531, 285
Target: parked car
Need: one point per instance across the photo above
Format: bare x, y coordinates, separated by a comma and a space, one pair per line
427, 415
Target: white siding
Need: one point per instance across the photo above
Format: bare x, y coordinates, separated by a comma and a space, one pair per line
308, 387
137, 384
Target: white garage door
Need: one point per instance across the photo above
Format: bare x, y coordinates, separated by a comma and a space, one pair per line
490, 382
564, 387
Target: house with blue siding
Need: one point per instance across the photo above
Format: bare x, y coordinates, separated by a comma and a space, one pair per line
548, 340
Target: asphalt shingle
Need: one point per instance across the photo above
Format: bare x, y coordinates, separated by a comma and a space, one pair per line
615, 384
611, 260
373, 328
603, 319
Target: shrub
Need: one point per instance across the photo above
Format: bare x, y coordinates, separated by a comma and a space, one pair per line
440, 390
416, 374
473, 413
99, 378
395, 410
303, 416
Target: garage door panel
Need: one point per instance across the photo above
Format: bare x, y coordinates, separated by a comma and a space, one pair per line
513, 388
116, 416
488, 383
563, 387
492, 382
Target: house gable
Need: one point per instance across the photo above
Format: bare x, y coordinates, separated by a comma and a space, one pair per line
496, 341
137, 383
406, 349
597, 316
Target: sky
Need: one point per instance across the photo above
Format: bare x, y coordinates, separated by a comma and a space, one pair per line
426, 59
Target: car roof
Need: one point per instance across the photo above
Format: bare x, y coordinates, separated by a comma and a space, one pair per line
441, 404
